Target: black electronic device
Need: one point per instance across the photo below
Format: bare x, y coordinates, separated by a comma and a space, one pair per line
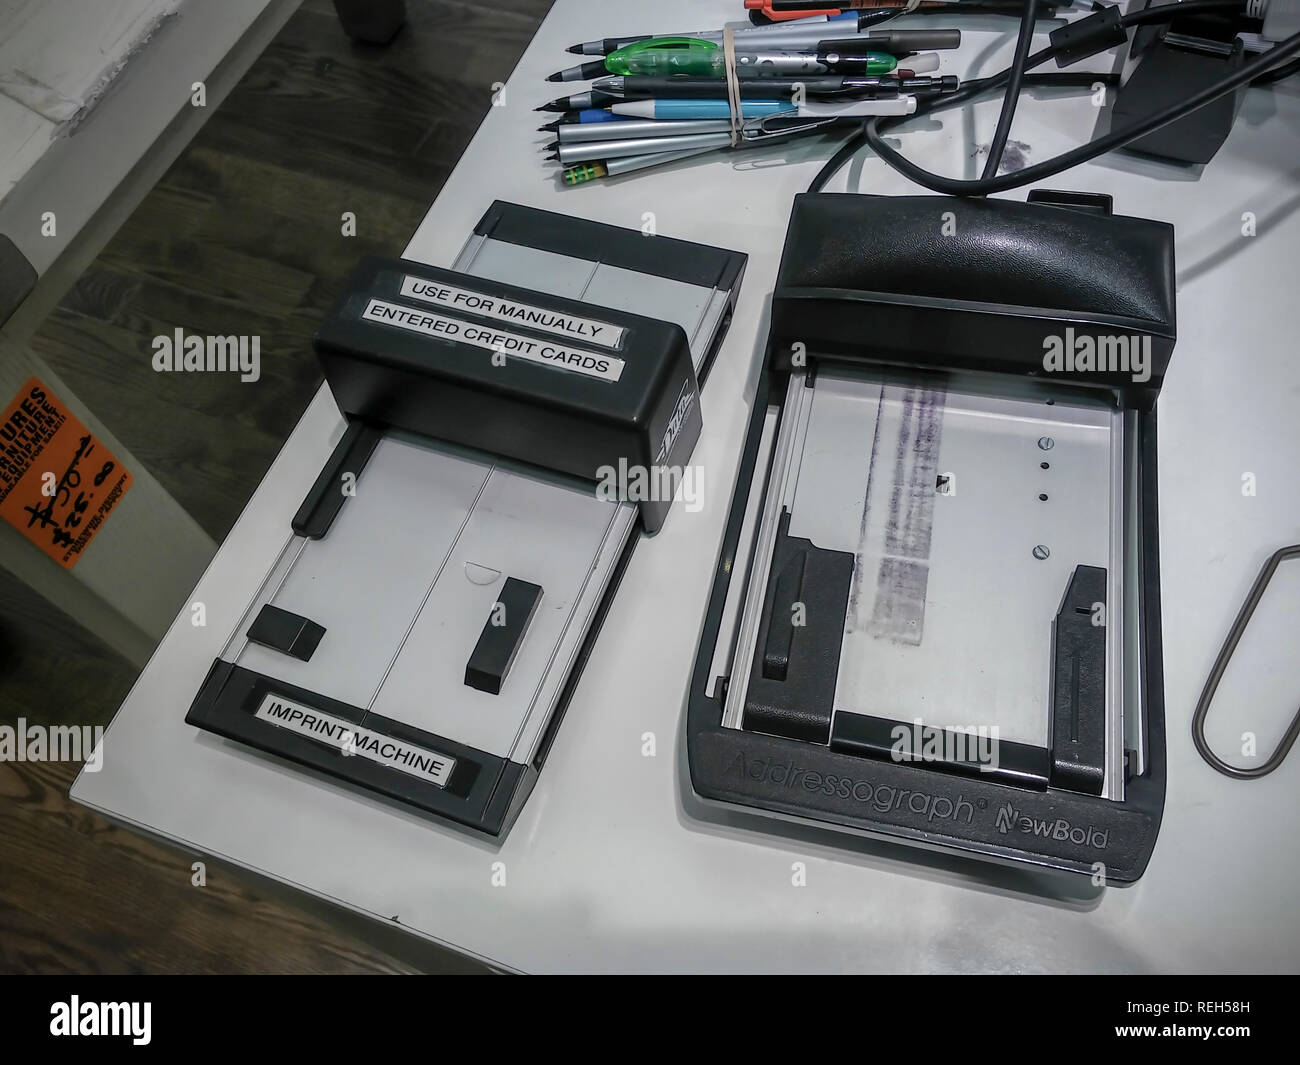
935, 616
512, 424
1174, 61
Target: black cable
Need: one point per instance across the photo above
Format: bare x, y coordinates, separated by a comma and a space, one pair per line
983, 187
1169, 12
1277, 75
971, 89
968, 91
1056, 79
1012, 97
843, 154
1009, 8
871, 130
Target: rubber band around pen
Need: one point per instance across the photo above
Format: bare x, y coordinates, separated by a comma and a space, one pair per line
733, 86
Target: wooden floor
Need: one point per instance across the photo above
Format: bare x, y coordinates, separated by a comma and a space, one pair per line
242, 235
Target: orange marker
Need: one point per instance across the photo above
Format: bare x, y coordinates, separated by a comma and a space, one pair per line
781, 16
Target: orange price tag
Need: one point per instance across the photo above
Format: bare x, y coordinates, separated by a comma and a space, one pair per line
58, 483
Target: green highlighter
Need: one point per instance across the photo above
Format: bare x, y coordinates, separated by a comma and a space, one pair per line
662, 56
665, 56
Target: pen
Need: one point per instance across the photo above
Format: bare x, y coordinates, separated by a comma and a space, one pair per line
655, 55
698, 109
610, 91
612, 149
902, 42
568, 154
704, 109
895, 105
643, 87
613, 90
798, 31
764, 9
594, 171
580, 118
583, 101
666, 56
631, 128
762, 64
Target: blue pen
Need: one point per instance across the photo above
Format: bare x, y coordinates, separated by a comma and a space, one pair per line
698, 109
589, 117
595, 114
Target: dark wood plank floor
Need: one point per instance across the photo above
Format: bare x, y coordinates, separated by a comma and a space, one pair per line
242, 235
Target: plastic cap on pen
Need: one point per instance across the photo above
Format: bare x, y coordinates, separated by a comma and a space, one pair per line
899, 41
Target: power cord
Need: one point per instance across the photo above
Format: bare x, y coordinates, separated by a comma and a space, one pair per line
1083, 42
1274, 76
969, 90
1012, 97
1117, 139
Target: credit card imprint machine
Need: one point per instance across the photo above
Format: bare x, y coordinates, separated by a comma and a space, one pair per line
425, 624
936, 613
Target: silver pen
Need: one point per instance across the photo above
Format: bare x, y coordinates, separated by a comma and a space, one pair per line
585, 172
568, 154
586, 132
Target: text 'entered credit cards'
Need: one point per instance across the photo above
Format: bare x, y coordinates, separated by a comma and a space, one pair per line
513, 345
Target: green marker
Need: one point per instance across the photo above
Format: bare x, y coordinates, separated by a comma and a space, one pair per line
668, 56
663, 56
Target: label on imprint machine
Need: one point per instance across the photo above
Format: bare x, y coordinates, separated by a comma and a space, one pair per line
566, 325
353, 740
512, 345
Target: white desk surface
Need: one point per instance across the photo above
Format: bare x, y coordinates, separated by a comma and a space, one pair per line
613, 865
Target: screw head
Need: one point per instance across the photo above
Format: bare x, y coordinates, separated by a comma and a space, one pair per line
1041, 552
1046, 443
